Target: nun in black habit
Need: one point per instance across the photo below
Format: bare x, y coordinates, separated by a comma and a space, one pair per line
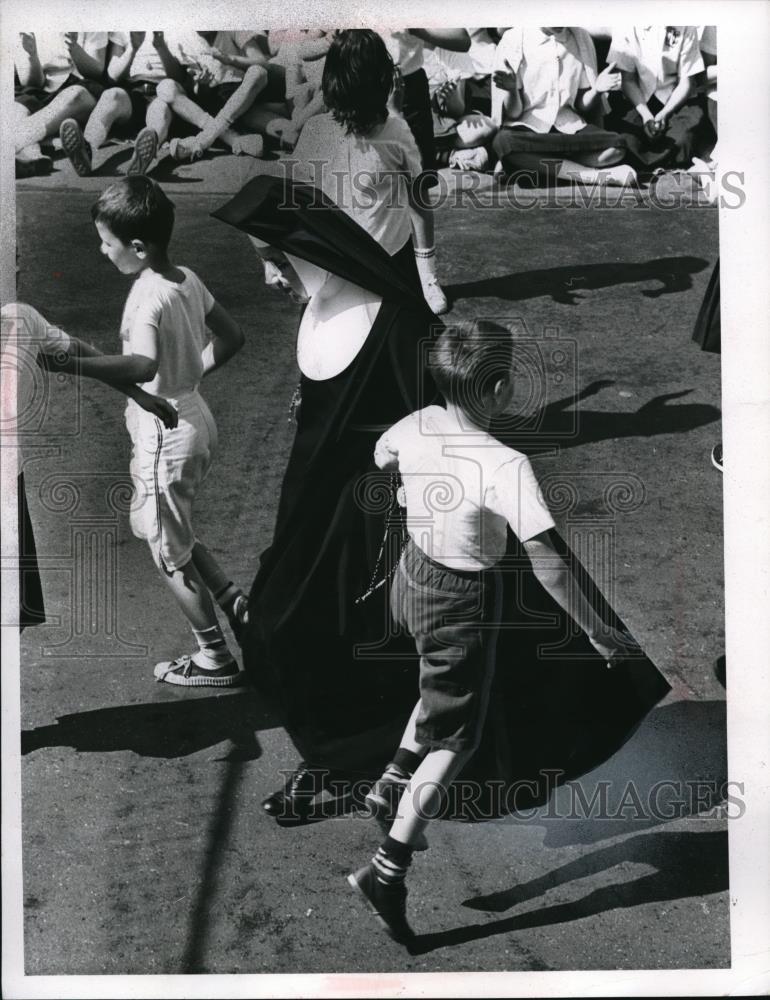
320, 641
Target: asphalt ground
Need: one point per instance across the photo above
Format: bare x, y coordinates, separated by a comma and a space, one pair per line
145, 847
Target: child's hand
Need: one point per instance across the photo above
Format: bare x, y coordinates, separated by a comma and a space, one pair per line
220, 56
29, 43
159, 407
609, 79
158, 39
505, 79
612, 644
70, 39
137, 39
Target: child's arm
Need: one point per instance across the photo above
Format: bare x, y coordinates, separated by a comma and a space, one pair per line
72, 363
227, 339
90, 64
453, 39
386, 454
679, 95
28, 68
556, 577
120, 58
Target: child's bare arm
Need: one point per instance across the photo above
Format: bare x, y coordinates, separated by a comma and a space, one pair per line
386, 455
227, 339
72, 363
556, 577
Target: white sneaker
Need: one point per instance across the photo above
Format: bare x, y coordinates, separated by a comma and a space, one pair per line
249, 145
435, 297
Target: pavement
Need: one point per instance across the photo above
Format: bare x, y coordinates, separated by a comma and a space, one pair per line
145, 846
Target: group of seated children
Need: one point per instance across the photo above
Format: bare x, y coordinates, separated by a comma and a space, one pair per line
528, 101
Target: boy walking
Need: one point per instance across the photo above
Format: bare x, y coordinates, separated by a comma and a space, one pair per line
447, 592
165, 347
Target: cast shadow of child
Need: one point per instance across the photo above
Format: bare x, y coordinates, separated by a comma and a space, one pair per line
563, 284
554, 425
164, 729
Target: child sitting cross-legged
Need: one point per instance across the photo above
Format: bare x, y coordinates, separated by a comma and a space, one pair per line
447, 591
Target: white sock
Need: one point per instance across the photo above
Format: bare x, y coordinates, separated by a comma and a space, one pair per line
426, 263
212, 648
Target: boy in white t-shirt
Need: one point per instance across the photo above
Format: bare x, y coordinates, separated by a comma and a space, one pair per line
447, 591
164, 333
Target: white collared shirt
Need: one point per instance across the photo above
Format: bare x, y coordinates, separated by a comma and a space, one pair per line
550, 76
406, 50
660, 55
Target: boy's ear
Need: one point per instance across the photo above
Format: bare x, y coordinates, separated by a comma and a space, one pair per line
139, 248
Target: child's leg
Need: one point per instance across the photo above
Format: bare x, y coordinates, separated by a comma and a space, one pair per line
113, 106
423, 796
212, 662
253, 83
228, 595
72, 102
189, 111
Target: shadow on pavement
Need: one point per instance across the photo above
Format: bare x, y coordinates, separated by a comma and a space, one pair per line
162, 729
555, 425
563, 284
674, 767
688, 864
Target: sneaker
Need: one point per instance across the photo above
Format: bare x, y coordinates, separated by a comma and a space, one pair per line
716, 457
435, 297
382, 804
145, 148
386, 902
238, 617
75, 147
469, 159
185, 672
249, 145
185, 150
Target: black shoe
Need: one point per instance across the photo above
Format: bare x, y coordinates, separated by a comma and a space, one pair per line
386, 902
295, 799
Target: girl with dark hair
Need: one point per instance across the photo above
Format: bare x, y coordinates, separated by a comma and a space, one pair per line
362, 157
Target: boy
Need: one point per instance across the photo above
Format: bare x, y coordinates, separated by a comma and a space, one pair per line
447, 591
164, 346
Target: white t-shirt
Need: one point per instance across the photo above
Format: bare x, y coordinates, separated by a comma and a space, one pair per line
55, 59
406, 50
195, 49
463, 488
368, 177
25, 334
178, 312
661, 55
147, 63
550, 72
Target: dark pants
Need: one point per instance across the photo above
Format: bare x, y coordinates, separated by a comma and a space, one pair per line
688, 132
453, 617
416, 112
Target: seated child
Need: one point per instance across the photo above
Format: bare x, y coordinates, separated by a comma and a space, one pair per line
163, 330
461, 133
447, 591
59, 78
548, 98
227, 76
666, 123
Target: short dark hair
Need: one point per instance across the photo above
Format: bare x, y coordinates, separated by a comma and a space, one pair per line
466, 364
136, 208
357, 80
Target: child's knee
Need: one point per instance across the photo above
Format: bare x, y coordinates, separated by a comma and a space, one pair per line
167, 90
255, 76
115, 101
78, 101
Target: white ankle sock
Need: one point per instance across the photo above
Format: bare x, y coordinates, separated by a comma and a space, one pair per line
212, 648
426, 263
